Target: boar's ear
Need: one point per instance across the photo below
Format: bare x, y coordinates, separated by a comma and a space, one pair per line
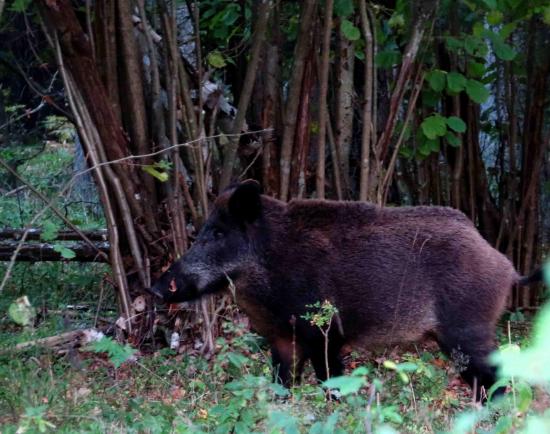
245, 202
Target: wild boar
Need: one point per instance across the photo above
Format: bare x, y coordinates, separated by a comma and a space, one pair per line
394, 274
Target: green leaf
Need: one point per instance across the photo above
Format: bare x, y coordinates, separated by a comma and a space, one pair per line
503, 50
477, 91
546, 15
152, 169
407, 367
491, 4
456, 124
507, 30
65, 252
361, 370
20, 5
455, 82
476, 69
434, 126
118, 354
494, 17
524, 396
430, 98
346, 384
396, 21
478, 29
236, 359
387, 58
343, 8
21, 311
453, 140
216, 59
436, 78
351, 32
49, 231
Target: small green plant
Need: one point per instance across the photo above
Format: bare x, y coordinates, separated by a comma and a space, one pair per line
320, 316
35, 419
118, 354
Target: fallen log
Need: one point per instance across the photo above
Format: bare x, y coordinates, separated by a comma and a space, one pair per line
72, 339
35, 234
41, 252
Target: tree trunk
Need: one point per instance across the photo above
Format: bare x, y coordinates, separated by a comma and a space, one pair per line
303, 46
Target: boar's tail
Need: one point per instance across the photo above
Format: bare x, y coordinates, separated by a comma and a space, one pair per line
534, 277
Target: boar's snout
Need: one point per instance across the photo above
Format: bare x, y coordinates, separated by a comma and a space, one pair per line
175, 286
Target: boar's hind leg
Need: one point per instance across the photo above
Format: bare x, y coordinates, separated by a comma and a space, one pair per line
288, 361
469, 347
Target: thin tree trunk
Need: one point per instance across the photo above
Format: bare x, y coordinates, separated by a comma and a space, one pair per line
345, 61
367, 105
323, 90
409, 57
244, 100
269, 116
300, 54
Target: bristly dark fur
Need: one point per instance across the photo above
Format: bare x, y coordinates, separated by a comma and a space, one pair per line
394, 274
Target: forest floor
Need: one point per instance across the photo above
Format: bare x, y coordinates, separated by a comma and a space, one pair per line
414, 389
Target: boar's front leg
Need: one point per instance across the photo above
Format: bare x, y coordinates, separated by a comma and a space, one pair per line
320, 359
288, 361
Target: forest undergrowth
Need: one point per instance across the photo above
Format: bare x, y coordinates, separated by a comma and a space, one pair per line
107, 387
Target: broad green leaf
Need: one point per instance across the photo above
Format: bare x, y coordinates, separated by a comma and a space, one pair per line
434, 126
361, 370
346, 384
503, 50
476, 69
432, 145
491, 4
351, 32
387, 58
472, 44
452, 139
494, 17
478, 29
546, 15
343, 8
49, 231
430, 98
455, 82
507, 30
152, 169
397, 20
216, 59
524, 395
436, 78
388, 364
236, 359
477, 91
407, 367
456, 124
21, 311
454, 44
65, 252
